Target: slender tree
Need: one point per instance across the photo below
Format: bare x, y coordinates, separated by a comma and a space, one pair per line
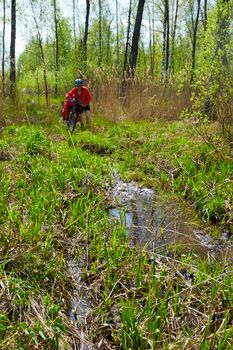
85, 36
167, 35
152, 42
117, 34
3, 46
194, 42
40, 41
56, 48
74, 30
165, 47
171, 52
218, 78
108, 53
127, 39
205, 15
100, 33
223, 26
12, 49
136, 36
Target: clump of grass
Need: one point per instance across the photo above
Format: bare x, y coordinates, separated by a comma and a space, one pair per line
144, 301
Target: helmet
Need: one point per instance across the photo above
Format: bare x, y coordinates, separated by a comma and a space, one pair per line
78, 82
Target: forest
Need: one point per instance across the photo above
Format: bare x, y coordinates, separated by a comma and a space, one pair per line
118, 234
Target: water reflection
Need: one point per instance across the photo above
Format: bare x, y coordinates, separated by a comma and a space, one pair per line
79, 307
157, 226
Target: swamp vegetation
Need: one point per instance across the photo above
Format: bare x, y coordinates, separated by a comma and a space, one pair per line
118, 237
56, 194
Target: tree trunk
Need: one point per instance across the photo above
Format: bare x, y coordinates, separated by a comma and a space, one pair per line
3, 46
85, 37
167, 36
123, 85
100, 33
223, 30
171, 53
136, 36
165, 48
75, 37
39, 37
205, 15
56, 48
12, 49
108, 60
195, 40
37, 85
117, 34
152, 41
127, 40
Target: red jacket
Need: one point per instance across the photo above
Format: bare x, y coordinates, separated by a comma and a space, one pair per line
85, 95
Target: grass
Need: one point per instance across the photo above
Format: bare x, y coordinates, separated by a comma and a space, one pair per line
53, 201
195, 169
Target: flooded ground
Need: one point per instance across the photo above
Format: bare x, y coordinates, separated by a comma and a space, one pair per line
79, 307
153, 225
162, 226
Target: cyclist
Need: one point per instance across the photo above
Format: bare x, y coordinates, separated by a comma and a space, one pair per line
82, 95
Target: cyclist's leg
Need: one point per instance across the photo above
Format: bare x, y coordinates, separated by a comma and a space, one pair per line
88, 119
80, 116
88, 116
81, 119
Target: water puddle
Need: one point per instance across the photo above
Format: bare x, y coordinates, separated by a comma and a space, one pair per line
159, 226
79, 307
152, 225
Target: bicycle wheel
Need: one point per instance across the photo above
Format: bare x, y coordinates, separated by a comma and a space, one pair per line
71, 124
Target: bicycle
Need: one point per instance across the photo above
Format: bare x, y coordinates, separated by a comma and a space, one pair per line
73, 115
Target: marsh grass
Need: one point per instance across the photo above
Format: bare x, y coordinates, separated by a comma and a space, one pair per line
53, 200
39, 202
195, 169
145, 301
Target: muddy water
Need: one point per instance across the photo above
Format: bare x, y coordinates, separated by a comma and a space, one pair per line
152, 225
79, 307
159, 226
